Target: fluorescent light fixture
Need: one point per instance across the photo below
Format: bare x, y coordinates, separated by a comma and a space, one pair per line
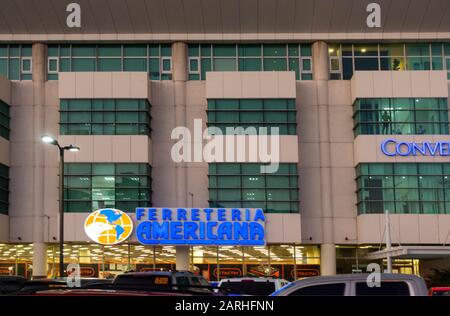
48, 139
73, 148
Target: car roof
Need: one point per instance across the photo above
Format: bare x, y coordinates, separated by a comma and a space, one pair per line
13, 277
95, 292
359, 277
256, 279
151, 273
44, 281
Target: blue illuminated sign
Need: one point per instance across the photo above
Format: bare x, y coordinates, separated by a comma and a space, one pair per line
392, 148
200, 226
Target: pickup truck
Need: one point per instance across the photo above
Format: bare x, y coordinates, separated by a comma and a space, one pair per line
356, 285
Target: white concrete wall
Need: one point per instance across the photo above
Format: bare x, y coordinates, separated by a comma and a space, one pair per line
405, 228
4, 228
108, 148
245, 148
315, 100
250, 84
399, 84
5, 90
4, 151
98, 85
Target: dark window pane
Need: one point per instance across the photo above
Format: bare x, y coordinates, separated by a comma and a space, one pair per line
331, 289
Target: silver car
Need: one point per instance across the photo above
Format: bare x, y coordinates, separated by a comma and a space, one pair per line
356, 285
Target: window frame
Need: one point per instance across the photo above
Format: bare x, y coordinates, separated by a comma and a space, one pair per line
57, 65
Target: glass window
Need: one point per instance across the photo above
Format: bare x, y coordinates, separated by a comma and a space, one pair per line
386, 289
135, 50
274, 50
252, 114
109, 64
111, 57
400, 116
330, 289
414, 187
243, 185
111, 117
4, 186
224, 64
83, 64
109, 50
250, 57
224, 50
275, 64
105, 187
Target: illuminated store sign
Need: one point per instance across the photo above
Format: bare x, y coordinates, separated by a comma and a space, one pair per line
108, 226
392, 148
200, 226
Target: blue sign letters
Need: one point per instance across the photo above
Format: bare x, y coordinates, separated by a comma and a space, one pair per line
196, 226
392, 148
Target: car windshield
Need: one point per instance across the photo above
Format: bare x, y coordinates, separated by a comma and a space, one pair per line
250, 287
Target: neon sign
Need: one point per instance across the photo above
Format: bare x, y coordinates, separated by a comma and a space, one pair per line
392, 148
200, 226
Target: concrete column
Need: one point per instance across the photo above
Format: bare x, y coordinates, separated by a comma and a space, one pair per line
39, 55
179, 75
39, 260
183, 257
320, 60
320, 75
179, 61
327, 259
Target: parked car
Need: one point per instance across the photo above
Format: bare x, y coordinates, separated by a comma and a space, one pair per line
10, 284
252, 286
103, 292
164, 281
356, 285
440, 291
32, 286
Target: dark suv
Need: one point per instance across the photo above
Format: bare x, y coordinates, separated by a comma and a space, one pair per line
10, 284
167, 281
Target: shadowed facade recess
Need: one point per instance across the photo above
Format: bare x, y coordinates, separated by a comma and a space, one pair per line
336, 90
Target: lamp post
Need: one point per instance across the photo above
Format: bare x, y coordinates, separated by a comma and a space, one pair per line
52, 141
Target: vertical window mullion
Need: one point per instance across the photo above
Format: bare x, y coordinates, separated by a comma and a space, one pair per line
212, 57
200, 69
353, 59
262, 57
121, 58
8, 57
379, 58
236, 56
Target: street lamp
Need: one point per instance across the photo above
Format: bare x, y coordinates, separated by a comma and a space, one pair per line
52, 141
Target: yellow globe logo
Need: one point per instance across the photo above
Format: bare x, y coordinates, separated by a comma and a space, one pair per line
108, 226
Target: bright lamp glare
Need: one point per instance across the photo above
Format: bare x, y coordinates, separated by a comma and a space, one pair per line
47, 139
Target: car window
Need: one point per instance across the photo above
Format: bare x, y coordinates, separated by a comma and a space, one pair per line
195, 281
329, 289
394, 288
250, 288
182, 280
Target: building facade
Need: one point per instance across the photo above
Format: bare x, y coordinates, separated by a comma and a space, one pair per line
362, 116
